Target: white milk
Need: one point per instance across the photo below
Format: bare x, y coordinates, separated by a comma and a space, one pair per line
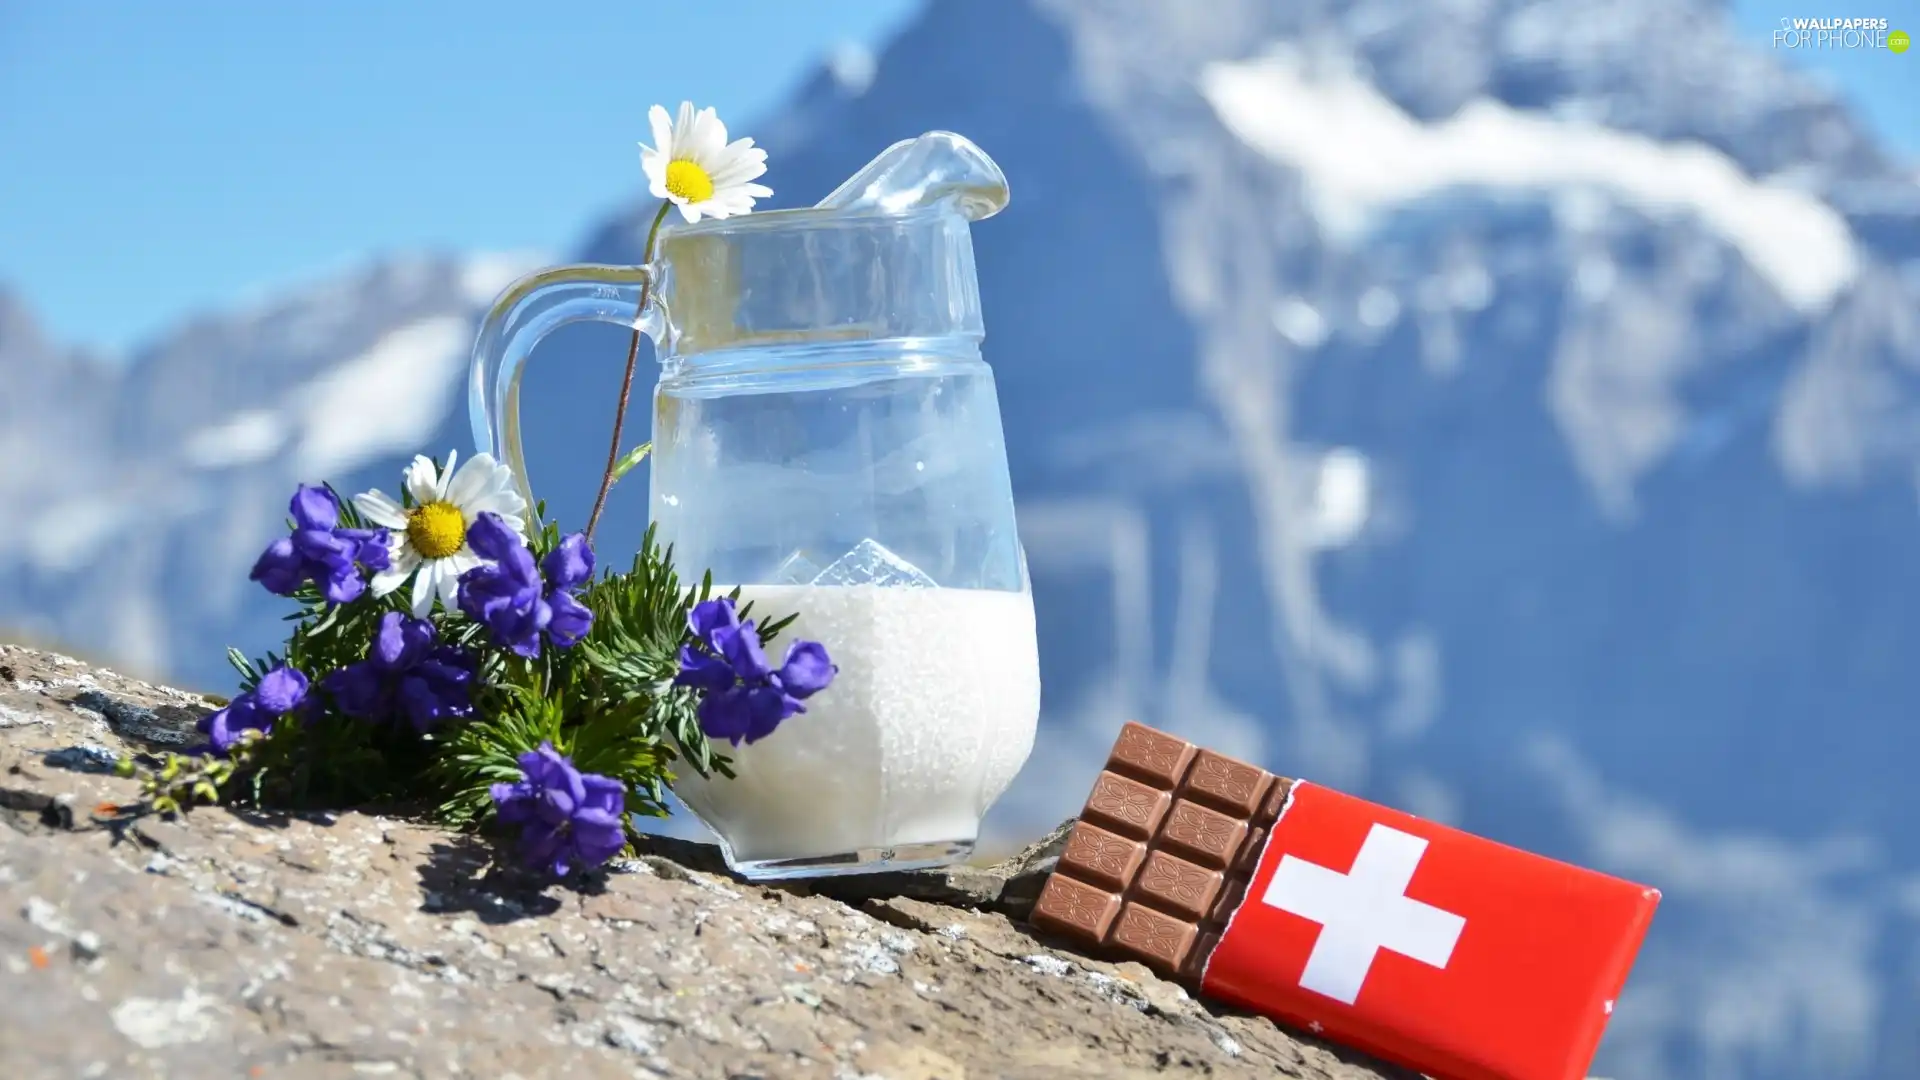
931, 716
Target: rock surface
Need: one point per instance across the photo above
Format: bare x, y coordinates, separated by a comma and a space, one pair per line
230, 944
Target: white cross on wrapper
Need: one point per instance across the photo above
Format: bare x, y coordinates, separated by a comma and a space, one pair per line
1362, 912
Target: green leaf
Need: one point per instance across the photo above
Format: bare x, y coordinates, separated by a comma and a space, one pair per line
326, 623
240, 664
634, 457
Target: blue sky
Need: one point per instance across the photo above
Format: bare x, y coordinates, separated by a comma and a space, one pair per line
161, 158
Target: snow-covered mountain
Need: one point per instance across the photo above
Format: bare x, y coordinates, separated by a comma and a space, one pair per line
136, 495
1504, 409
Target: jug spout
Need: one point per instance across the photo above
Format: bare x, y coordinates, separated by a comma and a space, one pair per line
935, 167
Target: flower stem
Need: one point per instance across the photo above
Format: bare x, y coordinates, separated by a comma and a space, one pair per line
626, 382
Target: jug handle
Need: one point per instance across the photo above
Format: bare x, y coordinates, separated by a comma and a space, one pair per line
526, 312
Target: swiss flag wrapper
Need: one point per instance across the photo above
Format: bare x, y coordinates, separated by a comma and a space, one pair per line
1445, 952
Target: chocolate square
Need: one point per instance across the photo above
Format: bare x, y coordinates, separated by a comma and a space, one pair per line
1160, 857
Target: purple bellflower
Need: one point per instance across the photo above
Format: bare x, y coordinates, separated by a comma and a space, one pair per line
278, 693
567, 818
746, 698
518, 601
320, 551
406, 673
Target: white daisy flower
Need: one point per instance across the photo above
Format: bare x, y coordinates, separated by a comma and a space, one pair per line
431, 536
693, 166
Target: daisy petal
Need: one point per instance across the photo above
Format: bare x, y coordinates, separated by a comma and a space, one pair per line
473, 481
424, 587
404, 561
662, 130
505, 503
655, 170
739, 172
736, 171
449, 581
423, 483
446, 477
378, 507
499, 477
709, 134
743, 149
403, 557
709, 138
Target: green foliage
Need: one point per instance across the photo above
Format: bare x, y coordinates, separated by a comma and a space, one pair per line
331, 760
609, 703
182, 781
639, 626
487, 751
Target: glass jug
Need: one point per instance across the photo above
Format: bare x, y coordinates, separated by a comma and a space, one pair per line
827, 437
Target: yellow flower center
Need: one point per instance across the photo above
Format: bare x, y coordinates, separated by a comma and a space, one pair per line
688, 181
436, 529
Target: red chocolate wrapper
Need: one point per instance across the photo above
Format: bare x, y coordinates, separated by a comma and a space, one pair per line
1424, 945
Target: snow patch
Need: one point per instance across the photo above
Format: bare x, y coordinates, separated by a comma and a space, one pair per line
66, 536
388, 400
853, 66
244, 439
1342, 497
484, 277
1378, 308
1359, 154
1300, 323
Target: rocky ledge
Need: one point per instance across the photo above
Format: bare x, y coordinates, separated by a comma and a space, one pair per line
355, 944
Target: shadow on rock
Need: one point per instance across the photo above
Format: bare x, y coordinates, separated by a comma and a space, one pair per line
687, 854
161, 728
1009, 886
28, 810
273, 818
461, 874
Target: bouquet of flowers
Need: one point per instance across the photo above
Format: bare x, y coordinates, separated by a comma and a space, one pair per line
452, 643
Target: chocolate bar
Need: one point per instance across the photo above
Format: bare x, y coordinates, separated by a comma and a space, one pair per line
1161, 854
1442, 951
